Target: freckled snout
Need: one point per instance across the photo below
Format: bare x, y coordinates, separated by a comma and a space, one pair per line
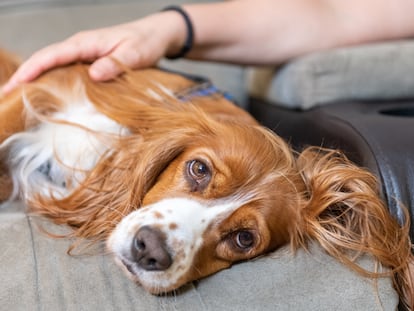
149, 250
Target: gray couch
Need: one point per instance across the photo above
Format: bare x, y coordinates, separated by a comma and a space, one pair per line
37, 274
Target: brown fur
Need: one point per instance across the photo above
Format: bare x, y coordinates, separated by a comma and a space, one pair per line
9, 64
320, 195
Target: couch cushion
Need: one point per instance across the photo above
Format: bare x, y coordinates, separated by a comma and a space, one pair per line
375, 71
36, 273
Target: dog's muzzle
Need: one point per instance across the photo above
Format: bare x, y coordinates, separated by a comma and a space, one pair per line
149, 250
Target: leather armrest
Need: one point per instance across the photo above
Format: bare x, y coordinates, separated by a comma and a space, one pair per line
376, 135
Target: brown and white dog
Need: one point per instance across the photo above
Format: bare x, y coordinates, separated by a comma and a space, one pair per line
179, 185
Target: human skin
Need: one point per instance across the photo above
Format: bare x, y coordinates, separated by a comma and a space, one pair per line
249, 32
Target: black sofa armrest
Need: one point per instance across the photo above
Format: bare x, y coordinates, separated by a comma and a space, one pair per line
377, 135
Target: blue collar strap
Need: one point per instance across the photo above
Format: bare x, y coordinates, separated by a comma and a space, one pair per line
202, 88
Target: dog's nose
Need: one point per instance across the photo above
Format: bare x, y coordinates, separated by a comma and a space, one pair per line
149, 250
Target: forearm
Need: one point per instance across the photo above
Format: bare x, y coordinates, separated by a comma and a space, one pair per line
273, 31
260, 32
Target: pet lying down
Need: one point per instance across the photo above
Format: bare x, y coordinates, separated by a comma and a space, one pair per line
181, 183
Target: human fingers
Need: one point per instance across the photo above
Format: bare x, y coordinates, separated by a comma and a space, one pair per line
84, 46
30, 69
137, 44
110, 66
142, 44
131, 54
44, 59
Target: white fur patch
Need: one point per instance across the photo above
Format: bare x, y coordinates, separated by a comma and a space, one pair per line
190, 218
54, 156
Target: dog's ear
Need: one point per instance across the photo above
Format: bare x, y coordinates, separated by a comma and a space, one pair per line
344, 213
120, 180
11, 119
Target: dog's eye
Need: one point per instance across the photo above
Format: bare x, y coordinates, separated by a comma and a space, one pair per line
243, 239
198, 170
198, 175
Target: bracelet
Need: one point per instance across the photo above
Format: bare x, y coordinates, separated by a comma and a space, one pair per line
188, 44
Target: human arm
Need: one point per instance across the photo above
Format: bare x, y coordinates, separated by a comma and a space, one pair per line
242, 31
140, 43
262, 32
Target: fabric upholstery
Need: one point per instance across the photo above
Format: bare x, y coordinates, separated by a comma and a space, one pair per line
37, 274
375, 71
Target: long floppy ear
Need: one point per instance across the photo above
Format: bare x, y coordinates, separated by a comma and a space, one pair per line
118, 183
346, 216
11, 106
123, 175
11, 119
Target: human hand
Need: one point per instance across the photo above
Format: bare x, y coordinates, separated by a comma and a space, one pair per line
137, 44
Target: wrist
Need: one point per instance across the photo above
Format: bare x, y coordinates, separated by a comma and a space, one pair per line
187, 45
174, 32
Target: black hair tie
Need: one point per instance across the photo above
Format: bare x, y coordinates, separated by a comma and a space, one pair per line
188, 44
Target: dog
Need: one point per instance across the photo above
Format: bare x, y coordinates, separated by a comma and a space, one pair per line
179, 182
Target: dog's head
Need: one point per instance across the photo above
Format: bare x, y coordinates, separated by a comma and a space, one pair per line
221, 193
193, 186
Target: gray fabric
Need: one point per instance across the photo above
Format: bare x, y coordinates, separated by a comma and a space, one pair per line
377, 71
37, 274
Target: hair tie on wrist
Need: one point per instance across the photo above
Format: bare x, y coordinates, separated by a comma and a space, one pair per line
188, 44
